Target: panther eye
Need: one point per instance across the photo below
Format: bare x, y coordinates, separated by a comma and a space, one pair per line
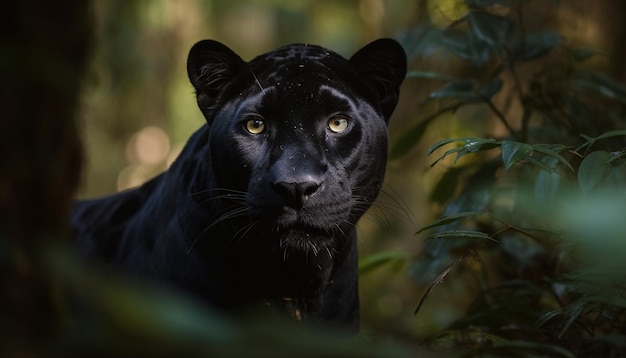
255, 126
338, 124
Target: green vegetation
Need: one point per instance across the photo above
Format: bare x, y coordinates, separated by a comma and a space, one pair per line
535, 228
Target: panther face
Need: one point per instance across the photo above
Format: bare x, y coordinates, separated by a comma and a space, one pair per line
301, 131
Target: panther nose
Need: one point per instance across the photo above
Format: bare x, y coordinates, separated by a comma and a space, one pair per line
295, 194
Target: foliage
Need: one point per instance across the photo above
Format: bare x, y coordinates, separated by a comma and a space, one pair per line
140, 319
539, 220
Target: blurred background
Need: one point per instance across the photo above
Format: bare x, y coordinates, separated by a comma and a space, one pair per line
137, 107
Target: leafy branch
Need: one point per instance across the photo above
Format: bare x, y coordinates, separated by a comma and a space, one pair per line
473, 251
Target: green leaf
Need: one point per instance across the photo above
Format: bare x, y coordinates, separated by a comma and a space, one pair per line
547, 185
457, 43
460, 234
474, 146
616, 133
549, 315
492, 29
467, 46
485, 4
536, 45
588, 138
480, 52
449, 219
581, 54
541, 164
490, 88
553, 150
455, 89
599, 85
591, 141
441, 143
470, 145
592, 169
617, 173
573, 311
429, 75
420, 40
477, 144
375, 261
454, 150
513, 152
525, 348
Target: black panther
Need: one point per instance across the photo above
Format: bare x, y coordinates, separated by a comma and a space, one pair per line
260, 208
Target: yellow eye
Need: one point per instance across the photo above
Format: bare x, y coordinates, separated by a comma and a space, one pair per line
338, 124
255, 126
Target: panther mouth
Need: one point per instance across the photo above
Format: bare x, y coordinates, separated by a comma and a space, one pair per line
290, 219
306, 231
303, 231
305, 223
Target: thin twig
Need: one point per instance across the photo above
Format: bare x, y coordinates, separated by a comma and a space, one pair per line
500, 115
439, 280
442, 276
471, 251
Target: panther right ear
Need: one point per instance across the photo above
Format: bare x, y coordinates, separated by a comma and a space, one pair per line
382, 63
210, 66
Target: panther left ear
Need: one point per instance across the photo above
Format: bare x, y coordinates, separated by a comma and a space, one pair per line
383, 64
211, 65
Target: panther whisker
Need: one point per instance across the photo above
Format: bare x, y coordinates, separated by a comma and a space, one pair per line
223, 217
330, 255
386, 209
339, 229
397, 203
351, 224
257, 80
241, 197
241, 234
231, 195
314, 248
226, 190
285, 249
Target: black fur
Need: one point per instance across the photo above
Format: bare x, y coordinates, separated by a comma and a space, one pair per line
267, 219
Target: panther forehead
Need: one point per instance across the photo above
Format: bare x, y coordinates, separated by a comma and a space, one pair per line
298, 66
295, 57
296, 52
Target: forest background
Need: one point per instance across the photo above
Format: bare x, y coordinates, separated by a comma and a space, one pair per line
528, 95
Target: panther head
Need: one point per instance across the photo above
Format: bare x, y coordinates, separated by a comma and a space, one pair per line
301, 131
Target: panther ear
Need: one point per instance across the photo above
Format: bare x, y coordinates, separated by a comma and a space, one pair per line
383, 65
210, 66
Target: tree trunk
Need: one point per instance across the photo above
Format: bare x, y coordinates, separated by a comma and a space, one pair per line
44, 48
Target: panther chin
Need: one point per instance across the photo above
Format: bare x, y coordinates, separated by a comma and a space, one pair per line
307, 241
